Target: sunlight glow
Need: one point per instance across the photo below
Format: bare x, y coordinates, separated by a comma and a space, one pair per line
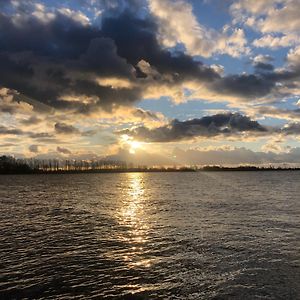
133, 145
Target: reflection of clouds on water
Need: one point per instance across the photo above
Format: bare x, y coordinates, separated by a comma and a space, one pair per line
132, 215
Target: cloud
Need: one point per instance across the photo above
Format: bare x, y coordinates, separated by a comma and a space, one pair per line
277, 21
275, 112
263, 63
8, 105
274, 42
19, 132
293, 58
32, 120
63, 128
136, 41
40, 135
63, 150
44, 62
245, 85
252, 6
146, 114
141, 157
266, 84
33, 148
284, 19
291, 129
10, 131
213, 156
208, 126
177, 24
49, 65
236, 156
66, 76
88, 68
77, 16
67, 129
7, 145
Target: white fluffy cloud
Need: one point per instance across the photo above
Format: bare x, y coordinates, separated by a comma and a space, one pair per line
178, 25
283, 19
277, 20
253, 6
274, 42
293, 57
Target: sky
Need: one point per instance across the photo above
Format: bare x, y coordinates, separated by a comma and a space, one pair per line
154, 82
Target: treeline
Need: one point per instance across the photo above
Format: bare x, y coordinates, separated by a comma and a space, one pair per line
247, 168
11, 165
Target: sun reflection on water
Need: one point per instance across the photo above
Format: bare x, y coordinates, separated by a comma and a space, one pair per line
132, 215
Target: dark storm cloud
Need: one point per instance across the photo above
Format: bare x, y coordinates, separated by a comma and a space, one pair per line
244, 85
259, 84
136, 40
50, 59
46, 60
61, 37
209, 126
101, 57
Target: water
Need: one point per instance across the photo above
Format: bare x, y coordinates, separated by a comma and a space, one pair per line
150, 236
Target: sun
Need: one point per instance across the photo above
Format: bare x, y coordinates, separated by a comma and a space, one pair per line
133, 145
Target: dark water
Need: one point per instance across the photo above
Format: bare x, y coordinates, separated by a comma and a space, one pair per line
150, 236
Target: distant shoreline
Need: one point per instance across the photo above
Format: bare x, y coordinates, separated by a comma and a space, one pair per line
100, 171
154, 170
11, 165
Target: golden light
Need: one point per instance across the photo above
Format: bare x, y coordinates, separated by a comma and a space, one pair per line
125, 137
133, 145
131, 214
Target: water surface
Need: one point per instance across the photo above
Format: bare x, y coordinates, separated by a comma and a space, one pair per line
205, 235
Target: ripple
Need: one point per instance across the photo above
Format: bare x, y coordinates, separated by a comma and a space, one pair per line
150, 236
